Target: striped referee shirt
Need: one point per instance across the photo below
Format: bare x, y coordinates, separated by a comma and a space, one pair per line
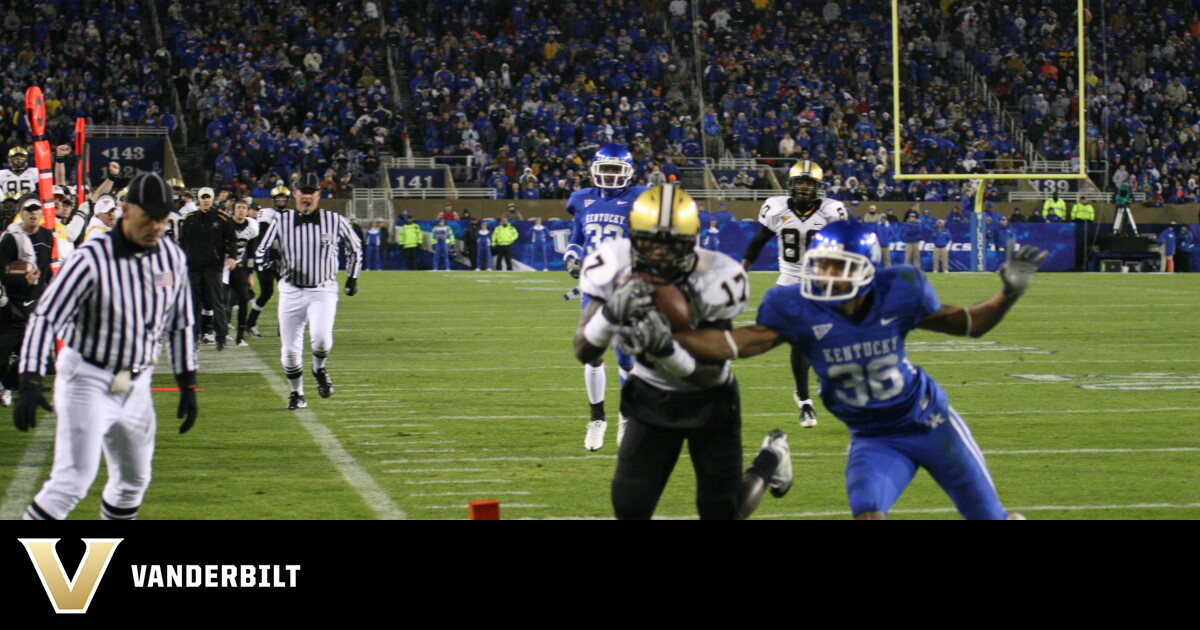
308, 245
113, 302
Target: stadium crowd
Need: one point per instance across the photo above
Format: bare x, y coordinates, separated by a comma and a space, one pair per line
530, 89
91, 60
278, 89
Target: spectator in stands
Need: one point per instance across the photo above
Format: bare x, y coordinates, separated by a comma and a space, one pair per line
512, 214
1017, 216
448, 213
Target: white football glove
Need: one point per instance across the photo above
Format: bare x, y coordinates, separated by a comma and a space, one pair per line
573, 266
1019, 267
650, 335
629, 302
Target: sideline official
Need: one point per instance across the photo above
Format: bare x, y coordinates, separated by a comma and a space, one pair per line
111, 304
308, 291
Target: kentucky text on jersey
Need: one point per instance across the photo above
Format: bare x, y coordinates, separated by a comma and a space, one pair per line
605, 218
858, 351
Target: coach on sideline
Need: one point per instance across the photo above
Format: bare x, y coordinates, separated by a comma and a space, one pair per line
308, 291
112, 302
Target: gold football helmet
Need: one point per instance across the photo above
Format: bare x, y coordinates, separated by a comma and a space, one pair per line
663, 226
805, 180
281, 194
18, 158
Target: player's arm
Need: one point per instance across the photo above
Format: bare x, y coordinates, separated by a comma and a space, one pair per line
977, 319
711, 344
182, 344
262, 258
354, 248
603, 319
573, 257
756, 246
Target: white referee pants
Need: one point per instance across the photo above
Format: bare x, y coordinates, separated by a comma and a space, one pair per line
317, 307
92, 420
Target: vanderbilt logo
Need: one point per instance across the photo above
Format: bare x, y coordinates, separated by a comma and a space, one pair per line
74, 596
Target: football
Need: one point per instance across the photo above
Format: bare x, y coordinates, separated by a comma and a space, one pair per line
19, 267
670, 301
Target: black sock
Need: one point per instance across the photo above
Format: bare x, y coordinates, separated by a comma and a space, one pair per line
800, 371
765, 464
598, 410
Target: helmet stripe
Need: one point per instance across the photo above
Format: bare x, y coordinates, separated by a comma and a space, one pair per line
666, 204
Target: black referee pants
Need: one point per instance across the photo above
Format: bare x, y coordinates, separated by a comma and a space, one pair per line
648, 452
239, 296
10, 354
503, 254
208, 293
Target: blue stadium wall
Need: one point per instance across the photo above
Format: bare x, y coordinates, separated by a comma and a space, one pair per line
1058, 239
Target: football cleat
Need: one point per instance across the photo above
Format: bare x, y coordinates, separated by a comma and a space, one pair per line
296, 401
208, 338
1014, 516
808, 414
595, 435
242, 343
5, 398
781, 481
621, 422
324, 383
253, 330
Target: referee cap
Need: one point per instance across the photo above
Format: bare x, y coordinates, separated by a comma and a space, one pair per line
309, 182
152, 194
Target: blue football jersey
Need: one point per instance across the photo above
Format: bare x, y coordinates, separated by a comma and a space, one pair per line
867, 380
599, 216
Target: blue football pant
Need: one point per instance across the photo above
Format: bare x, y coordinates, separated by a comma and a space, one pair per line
441, 256
880, 468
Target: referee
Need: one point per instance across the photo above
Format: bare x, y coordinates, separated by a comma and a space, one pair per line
308, 292
112, 303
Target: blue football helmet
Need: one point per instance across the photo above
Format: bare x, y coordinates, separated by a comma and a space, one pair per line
840, 262
612, 167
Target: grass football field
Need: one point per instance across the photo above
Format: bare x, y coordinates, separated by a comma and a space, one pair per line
459, 386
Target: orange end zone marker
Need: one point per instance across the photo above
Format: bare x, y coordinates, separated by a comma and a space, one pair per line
486, 510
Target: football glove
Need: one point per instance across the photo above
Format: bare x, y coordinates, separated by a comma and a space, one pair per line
29, 398
1019, 266
630, 301
351, 286
650, 335
188, 408
573, 266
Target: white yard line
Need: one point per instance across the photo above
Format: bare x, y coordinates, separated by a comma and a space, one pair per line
354, 474
846, 513
32, 466
839, 453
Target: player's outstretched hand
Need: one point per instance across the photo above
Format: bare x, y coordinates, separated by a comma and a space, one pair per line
629, 301
573, 266
351, 286
650, 335
1019, 267
188, 407
29, 398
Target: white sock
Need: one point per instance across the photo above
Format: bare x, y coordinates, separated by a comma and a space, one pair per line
596, 380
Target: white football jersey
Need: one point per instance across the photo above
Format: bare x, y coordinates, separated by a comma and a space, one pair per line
717, 289
795, 232
17, 184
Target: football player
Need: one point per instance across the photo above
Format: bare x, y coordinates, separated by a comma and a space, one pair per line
670, 398
851, 319
19, 178
796, 218
601, 214
266, 277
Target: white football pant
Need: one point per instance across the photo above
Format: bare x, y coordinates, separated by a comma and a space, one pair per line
317, 307
91, 420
